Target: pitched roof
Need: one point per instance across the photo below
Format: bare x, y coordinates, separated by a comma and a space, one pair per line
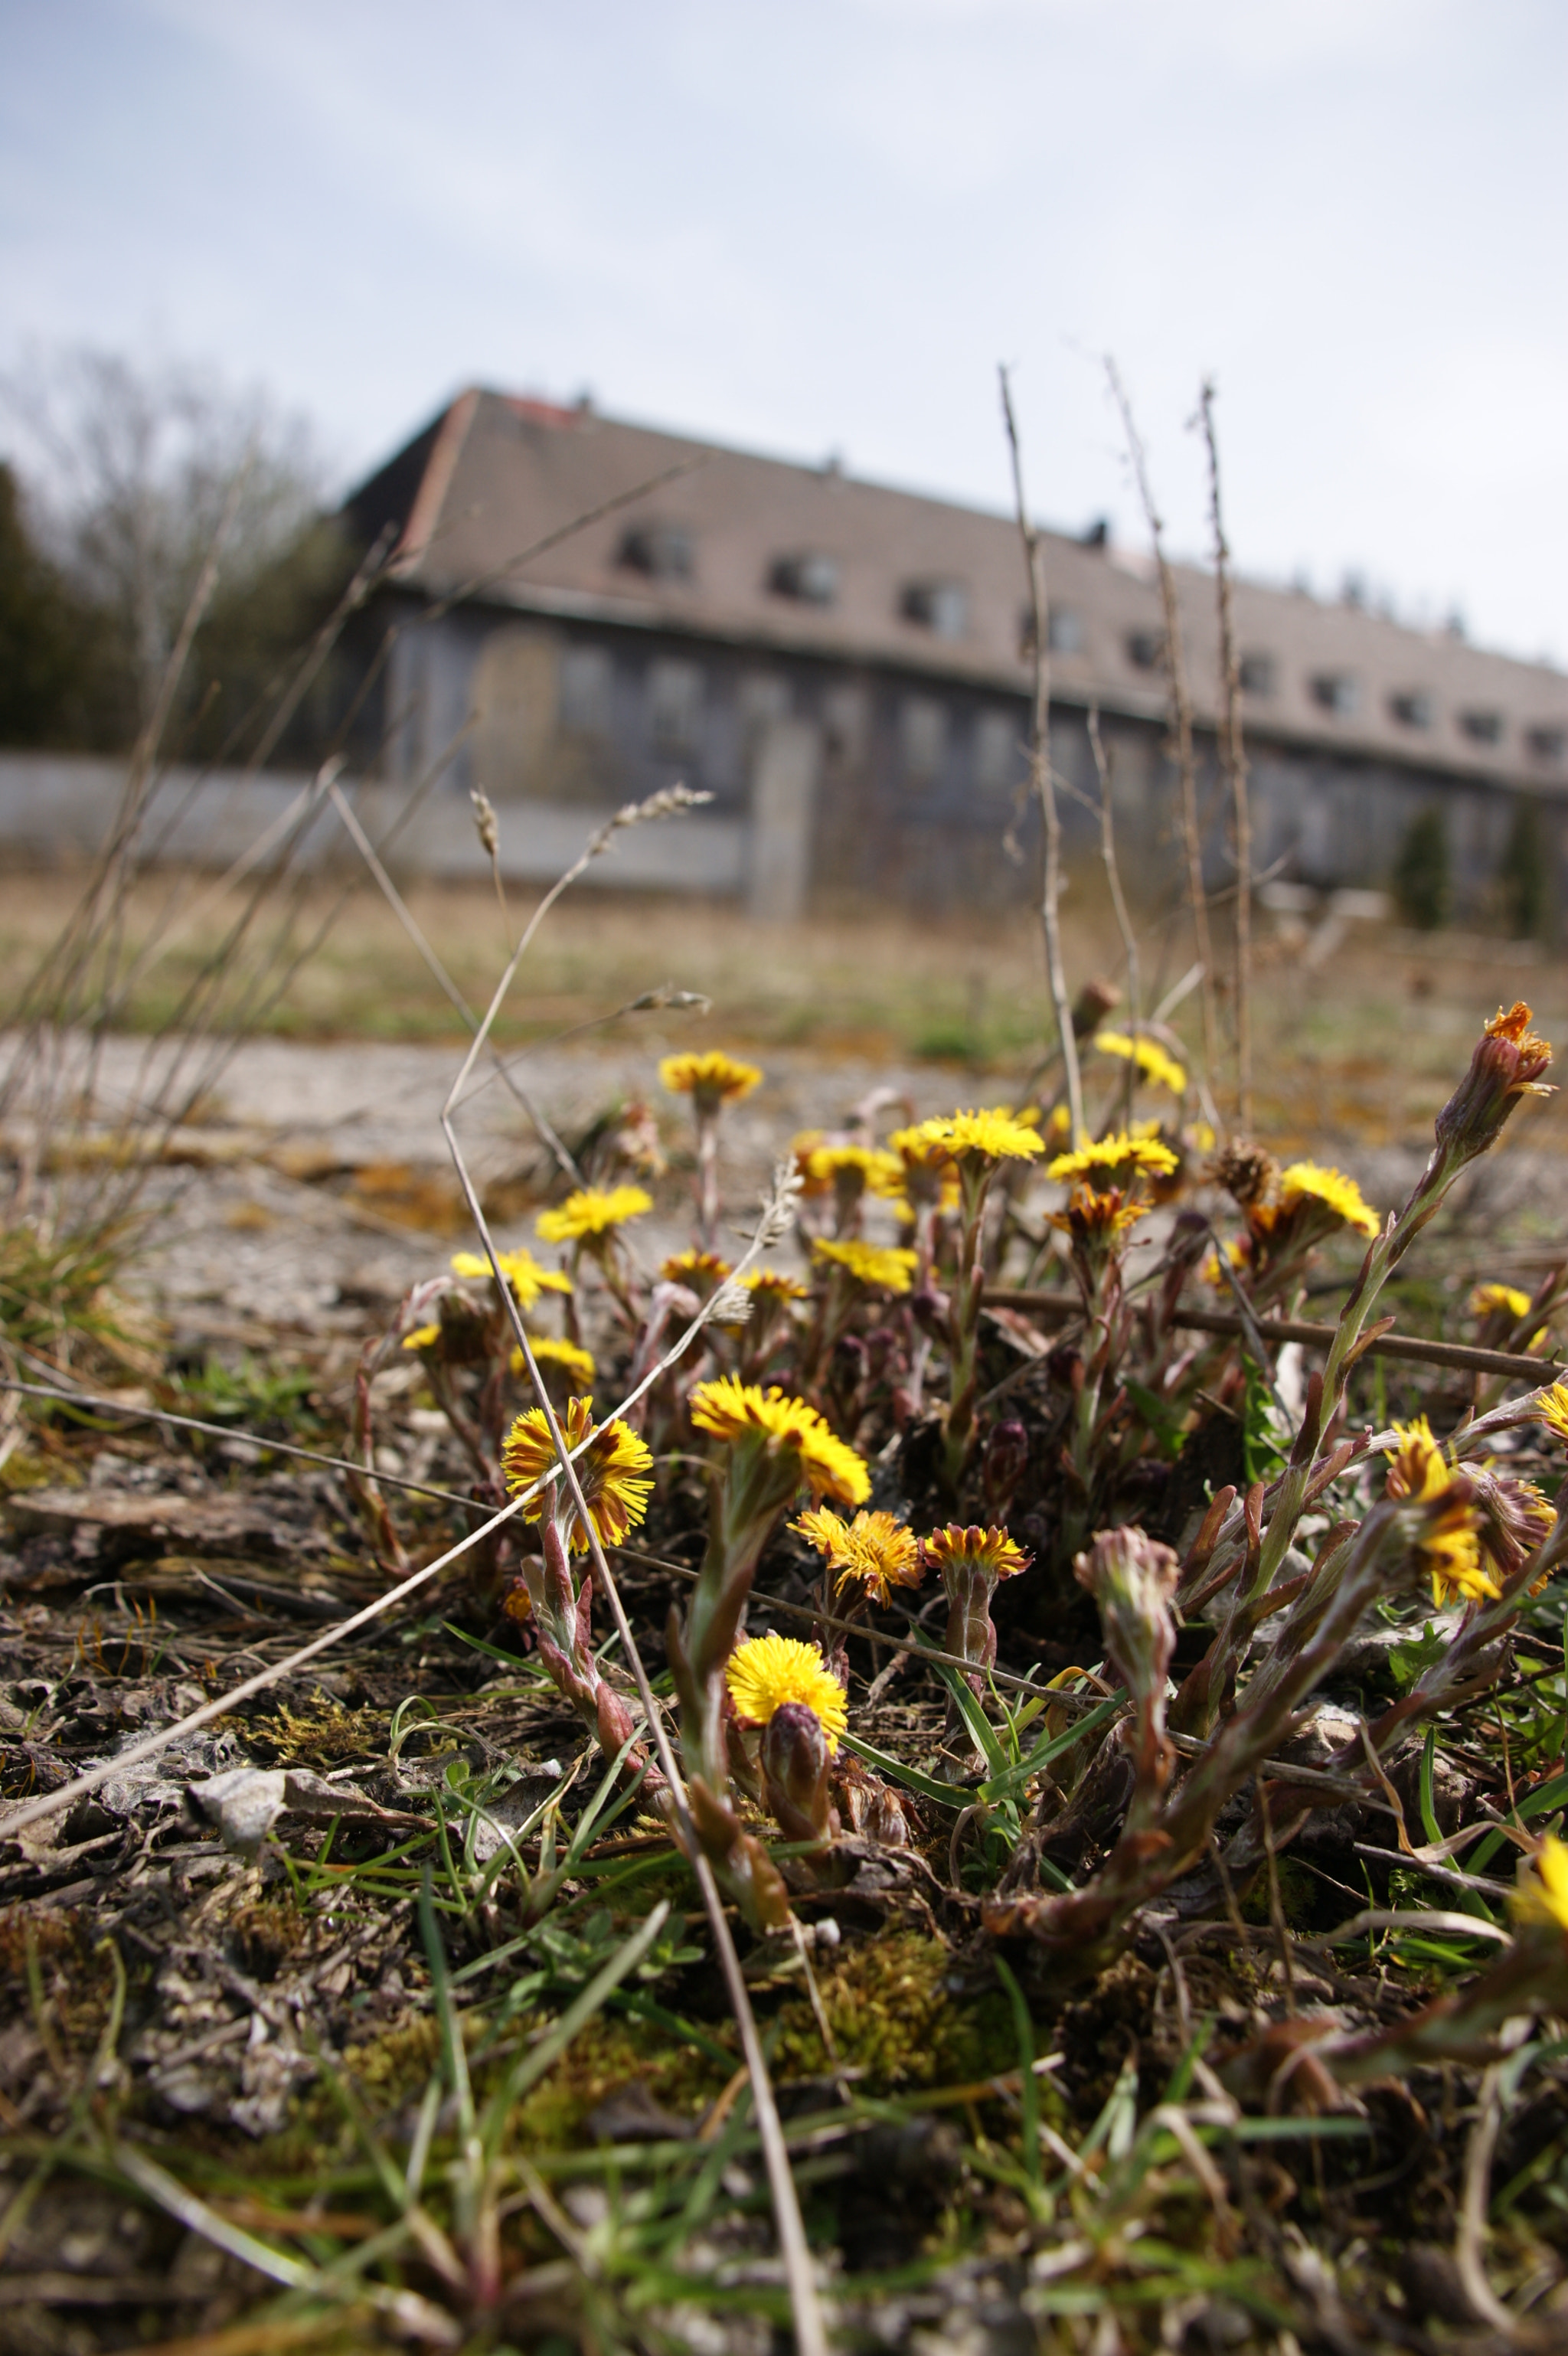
495, 475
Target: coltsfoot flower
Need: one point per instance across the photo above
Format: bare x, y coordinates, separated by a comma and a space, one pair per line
709, 1079
739, 1412
1095, 1220
1542, 1893
1330, 1189
576, 1365
614, 1471
1486, 1297
883, 1267
875, 1549
527, 1276
783, 1289
1115, 1159
1551, 1408
988, 1550
593, 1211
766, 1672
1507, 1063
997, 1135
1449, 1549
702, 1272
930, 1179
1149, 1056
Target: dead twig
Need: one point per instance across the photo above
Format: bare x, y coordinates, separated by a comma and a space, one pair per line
1040, 771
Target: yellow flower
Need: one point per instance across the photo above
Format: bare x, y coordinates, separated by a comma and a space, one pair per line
887, 1267
612, 1470
593, 1212
852, 1166
1449, 1550
997, 1135
709, 1078
1148, 1056
422, 1337
1114, 1156
768, 1671
702, 1272
733, 1411
771, 1283
1098, 1218
1543, 1897
928, 1173
875, 1548
1487, 1297
990, 1550
1551, 1408
575, 1363
1308, 1180
526, 1275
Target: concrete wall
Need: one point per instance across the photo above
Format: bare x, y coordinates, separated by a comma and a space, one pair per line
56, 808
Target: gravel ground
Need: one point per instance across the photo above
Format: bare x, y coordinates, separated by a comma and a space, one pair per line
328, 1179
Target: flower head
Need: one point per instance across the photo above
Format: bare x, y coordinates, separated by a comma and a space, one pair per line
1551, 1408
929, 1175
576, 1365
1508, 1063
702, 1272
735, 1412
1149, 1056
614, 1471
877, 1550
973, 1548
526, 1275
593, 1211
767, 1672
423, 1337
1542, 1895
707, 1079
771, 1283
1330, 1189
1448, 1548
1116, 1157
1095, 1221
1502, 1299
885, 1268
1247, 1173
995, 1136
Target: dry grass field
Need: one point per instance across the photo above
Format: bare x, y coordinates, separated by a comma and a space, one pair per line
1360, 1043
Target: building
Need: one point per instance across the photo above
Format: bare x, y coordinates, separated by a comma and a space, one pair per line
846, 670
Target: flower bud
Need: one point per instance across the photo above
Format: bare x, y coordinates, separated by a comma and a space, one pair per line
1003, 1465
1509, 1061
1133, 1580
794, 1760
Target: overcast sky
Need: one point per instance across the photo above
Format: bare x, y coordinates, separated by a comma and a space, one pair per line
818, 227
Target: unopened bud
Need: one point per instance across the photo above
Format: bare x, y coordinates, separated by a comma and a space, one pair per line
1133, 1579
1003, 1465
1508, 1063
795, 1760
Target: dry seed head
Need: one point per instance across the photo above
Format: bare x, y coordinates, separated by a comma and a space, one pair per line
484, 821
1247, 1173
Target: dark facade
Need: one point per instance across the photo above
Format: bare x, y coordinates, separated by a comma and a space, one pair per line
845, 669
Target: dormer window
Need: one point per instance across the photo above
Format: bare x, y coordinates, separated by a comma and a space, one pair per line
1546, 744
661, 551
1146, 649
939, 607
1257, 674
1482, 727
1414, 708
1339, 691
810, 579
